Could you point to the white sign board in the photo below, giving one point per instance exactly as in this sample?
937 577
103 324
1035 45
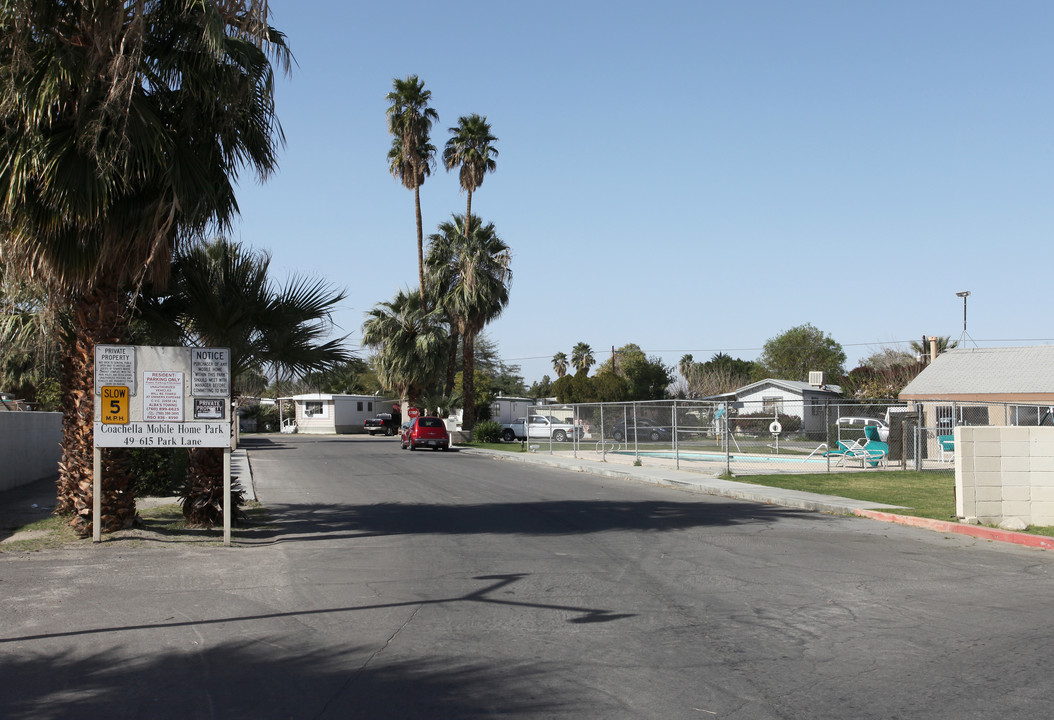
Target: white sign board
114 365
163 396
210 374
164 435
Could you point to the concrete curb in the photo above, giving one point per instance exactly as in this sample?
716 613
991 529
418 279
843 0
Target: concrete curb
977 531
763 494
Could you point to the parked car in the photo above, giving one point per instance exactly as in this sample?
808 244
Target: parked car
859 423
426 432
542 427
644 429
386 423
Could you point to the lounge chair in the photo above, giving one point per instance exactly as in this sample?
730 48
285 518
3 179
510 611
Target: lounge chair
946 445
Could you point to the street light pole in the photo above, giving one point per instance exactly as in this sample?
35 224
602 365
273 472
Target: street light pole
964 294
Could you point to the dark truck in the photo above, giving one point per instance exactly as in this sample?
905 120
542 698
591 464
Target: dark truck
387 423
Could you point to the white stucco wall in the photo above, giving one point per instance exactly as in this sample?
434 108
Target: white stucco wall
1005 472
30 447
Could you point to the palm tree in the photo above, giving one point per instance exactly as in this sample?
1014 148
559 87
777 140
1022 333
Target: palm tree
685 365
582 358
409 341
922 349
560 364
220 295
468 264
471 146
412 156
125 126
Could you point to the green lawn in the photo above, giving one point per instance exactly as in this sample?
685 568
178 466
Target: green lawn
928 494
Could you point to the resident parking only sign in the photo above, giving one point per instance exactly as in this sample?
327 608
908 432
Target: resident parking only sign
162 397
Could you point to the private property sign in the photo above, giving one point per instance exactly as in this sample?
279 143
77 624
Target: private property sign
162 397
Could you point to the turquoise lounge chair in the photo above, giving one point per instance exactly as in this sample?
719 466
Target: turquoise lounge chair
946 444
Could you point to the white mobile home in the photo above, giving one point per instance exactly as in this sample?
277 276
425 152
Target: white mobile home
507 409
321 413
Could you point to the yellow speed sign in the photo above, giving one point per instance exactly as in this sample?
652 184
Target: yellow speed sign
114 405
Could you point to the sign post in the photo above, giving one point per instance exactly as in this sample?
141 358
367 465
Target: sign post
144 400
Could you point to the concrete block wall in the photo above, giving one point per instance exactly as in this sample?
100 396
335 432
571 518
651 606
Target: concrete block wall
1005 472
30 447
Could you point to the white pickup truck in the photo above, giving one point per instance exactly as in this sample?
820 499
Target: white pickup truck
536 427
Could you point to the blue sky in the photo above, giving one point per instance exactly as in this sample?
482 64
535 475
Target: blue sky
692 177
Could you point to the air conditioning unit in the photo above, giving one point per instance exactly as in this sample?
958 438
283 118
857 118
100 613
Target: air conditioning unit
816 378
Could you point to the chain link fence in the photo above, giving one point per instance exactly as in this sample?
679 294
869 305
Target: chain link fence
766 437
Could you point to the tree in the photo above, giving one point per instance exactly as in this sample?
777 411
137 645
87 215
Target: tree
412 155
471 147
686 366
468 266
796 352
409 342
541 389
125 127
220 295
351 377
582 358
560 364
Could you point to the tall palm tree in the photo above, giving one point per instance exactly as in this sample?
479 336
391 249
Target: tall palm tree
471 147
469 265
582 357
560 364
685 365
409 341
220 295
125 127
412 156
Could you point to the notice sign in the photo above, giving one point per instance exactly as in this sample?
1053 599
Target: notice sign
209 408
210 374
114 365
163 396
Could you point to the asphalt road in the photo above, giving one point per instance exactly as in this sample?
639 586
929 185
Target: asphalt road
393 584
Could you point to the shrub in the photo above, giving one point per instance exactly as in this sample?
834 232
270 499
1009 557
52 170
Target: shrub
157 472
487 431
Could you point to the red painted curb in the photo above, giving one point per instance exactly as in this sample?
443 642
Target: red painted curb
978 531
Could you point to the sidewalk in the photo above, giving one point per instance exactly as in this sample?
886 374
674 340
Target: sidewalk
655 474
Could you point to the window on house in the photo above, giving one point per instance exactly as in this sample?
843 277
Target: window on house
312 408
772 404
360 405
369 406
816 405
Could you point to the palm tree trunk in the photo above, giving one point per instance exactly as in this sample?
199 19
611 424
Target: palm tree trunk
420 246
97 318
451 362
468 213
468 362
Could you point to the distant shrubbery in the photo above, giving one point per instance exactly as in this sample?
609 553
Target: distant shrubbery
747 424
487 431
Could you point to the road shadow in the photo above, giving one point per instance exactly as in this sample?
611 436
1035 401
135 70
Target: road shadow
276 677
305 522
